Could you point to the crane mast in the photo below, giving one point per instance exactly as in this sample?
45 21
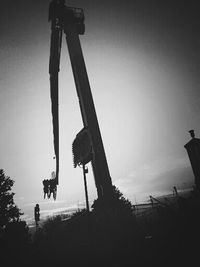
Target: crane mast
71 21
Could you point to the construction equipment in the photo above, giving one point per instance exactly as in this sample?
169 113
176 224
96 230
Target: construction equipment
82 148
70 20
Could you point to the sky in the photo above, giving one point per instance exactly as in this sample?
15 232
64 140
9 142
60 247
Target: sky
142 59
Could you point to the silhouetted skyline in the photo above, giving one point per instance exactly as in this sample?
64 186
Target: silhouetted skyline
142 60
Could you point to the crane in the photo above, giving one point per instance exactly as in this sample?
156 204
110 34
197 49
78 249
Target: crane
70 20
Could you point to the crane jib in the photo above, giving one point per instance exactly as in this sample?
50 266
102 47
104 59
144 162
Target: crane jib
55 118
54 62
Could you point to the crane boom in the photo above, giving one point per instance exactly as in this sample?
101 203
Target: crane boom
99 162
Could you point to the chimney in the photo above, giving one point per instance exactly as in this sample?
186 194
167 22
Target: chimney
192 133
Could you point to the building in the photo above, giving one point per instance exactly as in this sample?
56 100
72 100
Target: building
193 150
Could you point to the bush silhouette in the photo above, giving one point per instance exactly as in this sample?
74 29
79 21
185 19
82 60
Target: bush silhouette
106 234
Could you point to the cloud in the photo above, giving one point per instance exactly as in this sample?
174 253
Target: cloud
59 210
49 209
44 203
157 177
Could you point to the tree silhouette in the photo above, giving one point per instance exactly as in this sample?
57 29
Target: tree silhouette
14 233
9 212
117 202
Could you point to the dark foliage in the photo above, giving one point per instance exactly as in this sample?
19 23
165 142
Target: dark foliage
9 212
117 204
15 240
114 236
103 234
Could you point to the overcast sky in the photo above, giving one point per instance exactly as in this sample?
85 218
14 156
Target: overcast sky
142 59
